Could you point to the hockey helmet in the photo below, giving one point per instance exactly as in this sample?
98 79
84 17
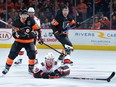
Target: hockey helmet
31 10
49 59
23 11
49 56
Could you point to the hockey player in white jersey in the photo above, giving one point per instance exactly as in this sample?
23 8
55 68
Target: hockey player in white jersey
31 13
51 68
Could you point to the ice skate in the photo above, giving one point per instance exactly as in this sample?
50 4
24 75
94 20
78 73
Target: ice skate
5 71
30 69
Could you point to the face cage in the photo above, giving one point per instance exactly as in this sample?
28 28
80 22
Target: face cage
49 62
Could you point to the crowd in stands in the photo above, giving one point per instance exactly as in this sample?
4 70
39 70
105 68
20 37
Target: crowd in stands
104 11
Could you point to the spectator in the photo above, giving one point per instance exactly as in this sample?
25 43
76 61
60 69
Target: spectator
97 24
105 23
82 9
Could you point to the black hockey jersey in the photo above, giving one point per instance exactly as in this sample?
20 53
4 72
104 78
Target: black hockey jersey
60 22
20 28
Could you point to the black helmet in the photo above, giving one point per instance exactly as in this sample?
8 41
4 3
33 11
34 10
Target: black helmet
23 11
64 7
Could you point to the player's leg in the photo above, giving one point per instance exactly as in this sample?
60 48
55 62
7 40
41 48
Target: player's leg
36 59
64 40
16 47
20 57
30 48
66 70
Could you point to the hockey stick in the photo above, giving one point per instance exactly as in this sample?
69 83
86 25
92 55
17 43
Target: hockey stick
102 79
52 48
86 20
4 22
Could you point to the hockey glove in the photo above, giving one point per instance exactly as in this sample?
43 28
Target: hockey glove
20 35
53 75
30 35
45 76
41 41
41 74
39 34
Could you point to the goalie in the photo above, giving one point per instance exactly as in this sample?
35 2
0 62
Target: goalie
51 69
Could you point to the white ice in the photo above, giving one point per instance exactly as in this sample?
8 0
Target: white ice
87 63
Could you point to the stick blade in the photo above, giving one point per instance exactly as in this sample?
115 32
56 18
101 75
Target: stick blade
111 76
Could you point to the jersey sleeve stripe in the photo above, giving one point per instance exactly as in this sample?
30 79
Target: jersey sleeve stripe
72 22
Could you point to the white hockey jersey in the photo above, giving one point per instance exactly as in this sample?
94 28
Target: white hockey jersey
46 69
37 21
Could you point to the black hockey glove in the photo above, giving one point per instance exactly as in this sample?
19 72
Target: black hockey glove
57 72
46 76
30 35
54 75
39 34
23 32
41 74
41 41
20 35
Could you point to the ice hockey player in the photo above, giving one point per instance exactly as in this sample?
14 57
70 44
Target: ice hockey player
20 56
51 69
60 26
23 33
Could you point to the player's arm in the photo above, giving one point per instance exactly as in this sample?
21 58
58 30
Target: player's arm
60 72
55 23
17 32
39 32
71 24
36 27
40 74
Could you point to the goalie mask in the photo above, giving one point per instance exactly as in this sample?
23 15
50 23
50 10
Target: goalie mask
49 60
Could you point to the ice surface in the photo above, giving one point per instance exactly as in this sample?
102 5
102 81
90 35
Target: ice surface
87 63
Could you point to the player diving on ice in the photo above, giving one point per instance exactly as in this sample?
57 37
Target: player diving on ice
51 68
20 56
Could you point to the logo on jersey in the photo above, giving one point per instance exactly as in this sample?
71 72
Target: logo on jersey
4 35
65 24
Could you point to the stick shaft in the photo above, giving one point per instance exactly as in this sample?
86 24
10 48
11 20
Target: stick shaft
52 48
4 22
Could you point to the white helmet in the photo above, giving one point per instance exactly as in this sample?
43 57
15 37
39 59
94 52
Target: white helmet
49 56
31 9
